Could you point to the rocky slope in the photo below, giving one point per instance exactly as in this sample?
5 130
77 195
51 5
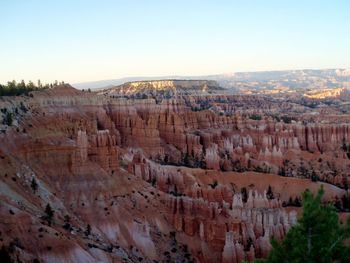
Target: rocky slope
165 88
186 179
326 93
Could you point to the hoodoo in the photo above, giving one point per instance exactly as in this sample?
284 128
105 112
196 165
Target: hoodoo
174 177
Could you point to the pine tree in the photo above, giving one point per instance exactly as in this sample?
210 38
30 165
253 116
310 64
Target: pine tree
34 185
317 237
8 119
282 171
244 194
314 176
49 214
66 219
297 202
67 222
88 230
269 193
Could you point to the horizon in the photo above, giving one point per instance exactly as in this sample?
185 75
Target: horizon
119 39
172 77
168 77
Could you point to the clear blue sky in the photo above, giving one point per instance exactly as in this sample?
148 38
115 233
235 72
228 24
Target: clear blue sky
82 40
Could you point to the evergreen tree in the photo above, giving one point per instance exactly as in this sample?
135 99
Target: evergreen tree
244 194
297 202
214 184
67 222
34 185
282 171
290 201
30 85
269 193
22 85
8 119
66 219
16 89
186 159
314 176
317 237
49 213
88 230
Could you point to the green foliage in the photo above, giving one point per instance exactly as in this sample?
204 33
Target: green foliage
214 184
8 119
88 230
249 244
317 237
175 192
314 176
257 260
269 193
34 185
195 108
66 219
346 148
22 107
244 194
296 202
67 225
345 203
282 171
15 89
49 214
255 117
186 159
154 181
286 119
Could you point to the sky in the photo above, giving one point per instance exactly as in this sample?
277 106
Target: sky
86 40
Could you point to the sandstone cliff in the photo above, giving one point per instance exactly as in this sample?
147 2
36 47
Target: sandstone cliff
142 180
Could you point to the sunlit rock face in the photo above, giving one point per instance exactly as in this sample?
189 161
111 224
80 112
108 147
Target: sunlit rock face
168 88
325 93
165 178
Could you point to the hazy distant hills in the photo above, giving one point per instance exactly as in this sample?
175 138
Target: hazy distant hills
160 89
308 79
102 84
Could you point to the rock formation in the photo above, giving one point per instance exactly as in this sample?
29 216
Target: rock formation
132 179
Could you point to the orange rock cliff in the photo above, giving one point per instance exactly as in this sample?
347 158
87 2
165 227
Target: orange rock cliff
202 178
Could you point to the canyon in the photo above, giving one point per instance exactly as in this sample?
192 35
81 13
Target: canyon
165 171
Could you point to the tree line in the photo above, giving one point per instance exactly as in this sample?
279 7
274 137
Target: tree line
13 88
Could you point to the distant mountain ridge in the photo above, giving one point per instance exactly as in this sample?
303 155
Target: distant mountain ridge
229 80
170 87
